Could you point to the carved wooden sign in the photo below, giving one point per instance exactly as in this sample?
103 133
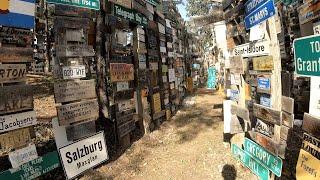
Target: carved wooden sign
16 98
14 139
267 114
74 90
311 125
12 73
263 63
121 72
76 112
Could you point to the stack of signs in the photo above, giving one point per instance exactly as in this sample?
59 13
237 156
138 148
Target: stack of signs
258 12
77 106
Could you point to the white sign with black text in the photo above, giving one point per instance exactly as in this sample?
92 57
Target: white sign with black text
17 121
258 48
73 72
84 154
22 156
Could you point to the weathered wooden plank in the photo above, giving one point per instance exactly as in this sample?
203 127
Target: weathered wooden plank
284 132
287 119
17 121
267 114
126 128
16 98
156 103
72 11
16 54
287 104
311 125
74 51
14 139
12 73
263 63
264 84
226 3
81 130
74 90
139 7
76 112
240 112
121 72
124 3
159 115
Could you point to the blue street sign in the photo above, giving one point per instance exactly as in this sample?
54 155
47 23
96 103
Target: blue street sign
252 5
264 83
260 14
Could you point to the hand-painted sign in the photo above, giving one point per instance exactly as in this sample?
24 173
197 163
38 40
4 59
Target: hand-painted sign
73 72
311 145
307 166
17 13
264 85
17 121
34 168
250 162
22 156
311 124
260 14
121 72
308 11
12 72
306 55
83 155
264 128
14 139
89 4
258 48
130 15
269 160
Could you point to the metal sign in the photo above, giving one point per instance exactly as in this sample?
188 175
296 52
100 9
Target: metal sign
88 4
34 168
17 121
306 55
250 162
17 13
258 48
264 128
269 160
74 72
265 101
252 5
307 166
260 14
84 154
130 15
264 85
22 156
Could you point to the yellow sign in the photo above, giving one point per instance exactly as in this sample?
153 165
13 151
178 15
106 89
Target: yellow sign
4 7
308 166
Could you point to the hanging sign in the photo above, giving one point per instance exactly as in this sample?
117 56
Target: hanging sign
260 14
12 73
88 4
17 121
130 15
307 166
34 168
17 13
121 72
306 55
73 72
272 162
84 154
22 156
258 48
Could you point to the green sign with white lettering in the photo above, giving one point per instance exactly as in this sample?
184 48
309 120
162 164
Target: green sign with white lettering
307 55
89 4
250 162
34 168
130 15
272 162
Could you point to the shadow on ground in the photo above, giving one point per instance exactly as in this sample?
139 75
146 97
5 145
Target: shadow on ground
229 172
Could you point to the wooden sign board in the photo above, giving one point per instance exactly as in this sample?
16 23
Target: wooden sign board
121 72
311 125
264 84
14 139
22 156
236 65
87 110
74 72
74 51
263 63
157 103
267 114
240 112
126 105
16 54
17 121
12 73
74 90
264 141
264 128
307 166
81 130
287 104
311 145
16 98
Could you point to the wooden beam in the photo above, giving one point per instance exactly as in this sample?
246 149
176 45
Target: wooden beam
267 114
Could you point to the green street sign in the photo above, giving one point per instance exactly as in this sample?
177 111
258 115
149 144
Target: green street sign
272 162
307 55
89 4
250 162
34 168
130 15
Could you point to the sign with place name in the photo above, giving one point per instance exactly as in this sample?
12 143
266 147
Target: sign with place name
172 75
124 3
81 130
311 145
307 166
264 128
264 85
156 103
16 98
84 154
74 90
122 86
252 5
130 15
121 72
272 162
307 55
258 48
89 4
12 73
14 139
267 114
260 14
17 121
34 168
17 13
311 124
265 101
24 155
74 72
246 159
263 63
87 110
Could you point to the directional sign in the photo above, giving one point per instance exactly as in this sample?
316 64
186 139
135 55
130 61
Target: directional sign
269 160
250 162
260 14
307 55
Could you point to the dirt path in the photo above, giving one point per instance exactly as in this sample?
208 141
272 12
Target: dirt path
190 146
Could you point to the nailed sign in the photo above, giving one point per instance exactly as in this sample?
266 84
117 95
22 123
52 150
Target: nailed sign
260 14
73 72
14 139
22 156
311 145
258 48
267 114
16 98
307 166
74 90
264 128
17 121
130 15
121 72
87 110
236 65
264 85
83 155
172 75
89 4
74 51
157 103
12 72
124 3
263 63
